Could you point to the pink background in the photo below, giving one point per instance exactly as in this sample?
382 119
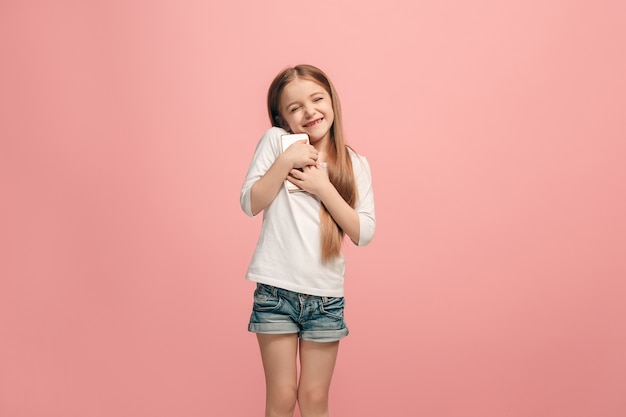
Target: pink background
495 285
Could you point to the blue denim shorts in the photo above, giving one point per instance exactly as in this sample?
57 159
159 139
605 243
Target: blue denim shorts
314 318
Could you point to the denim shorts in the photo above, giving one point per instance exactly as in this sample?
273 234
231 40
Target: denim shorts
314 318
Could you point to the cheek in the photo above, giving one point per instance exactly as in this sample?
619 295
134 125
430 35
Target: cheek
330 114
292 122
329 110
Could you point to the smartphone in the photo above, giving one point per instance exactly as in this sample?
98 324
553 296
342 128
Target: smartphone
291 138
288 140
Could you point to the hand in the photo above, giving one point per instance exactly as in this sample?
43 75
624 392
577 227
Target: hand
301 154
312 178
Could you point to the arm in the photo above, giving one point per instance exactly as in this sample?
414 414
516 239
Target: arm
358 223
365 203
346 217
265 188
269 168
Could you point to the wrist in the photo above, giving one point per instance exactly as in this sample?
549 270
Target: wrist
285 162
327 191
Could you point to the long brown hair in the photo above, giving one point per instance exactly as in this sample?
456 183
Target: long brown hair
339 164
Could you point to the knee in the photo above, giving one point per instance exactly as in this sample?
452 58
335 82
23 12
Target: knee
313 400
281 401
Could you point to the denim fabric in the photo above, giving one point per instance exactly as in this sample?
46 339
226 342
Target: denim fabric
314 318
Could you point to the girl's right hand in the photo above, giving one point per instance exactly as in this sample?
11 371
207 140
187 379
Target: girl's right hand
301 154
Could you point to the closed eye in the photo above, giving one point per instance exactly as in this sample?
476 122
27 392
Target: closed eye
293 109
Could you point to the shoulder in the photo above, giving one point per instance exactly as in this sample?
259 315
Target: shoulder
269 143
273 134
275 131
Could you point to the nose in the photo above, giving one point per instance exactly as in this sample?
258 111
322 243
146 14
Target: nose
309 111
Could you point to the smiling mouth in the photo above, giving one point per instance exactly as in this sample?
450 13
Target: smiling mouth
314 122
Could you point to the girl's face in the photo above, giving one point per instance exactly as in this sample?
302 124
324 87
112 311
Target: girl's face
306 107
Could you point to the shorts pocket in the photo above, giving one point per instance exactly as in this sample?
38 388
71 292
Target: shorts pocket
264 300
333 307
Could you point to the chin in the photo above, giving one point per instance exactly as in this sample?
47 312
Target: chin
318 138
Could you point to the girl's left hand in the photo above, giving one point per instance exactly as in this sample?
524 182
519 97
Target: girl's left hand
312 179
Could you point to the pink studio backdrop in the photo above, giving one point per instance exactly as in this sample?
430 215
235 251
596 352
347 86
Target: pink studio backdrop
495 285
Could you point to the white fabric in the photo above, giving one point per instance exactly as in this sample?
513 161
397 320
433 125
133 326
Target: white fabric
288 252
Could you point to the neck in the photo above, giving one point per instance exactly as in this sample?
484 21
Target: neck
322 145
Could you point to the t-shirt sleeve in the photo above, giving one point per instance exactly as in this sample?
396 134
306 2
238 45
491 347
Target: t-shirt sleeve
267 150
365 202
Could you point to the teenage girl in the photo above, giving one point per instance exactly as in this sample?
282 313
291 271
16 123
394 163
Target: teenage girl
297 263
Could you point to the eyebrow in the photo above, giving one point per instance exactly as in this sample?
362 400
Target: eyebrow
317 92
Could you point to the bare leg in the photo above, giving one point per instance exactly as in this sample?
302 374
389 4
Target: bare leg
278 352
317 362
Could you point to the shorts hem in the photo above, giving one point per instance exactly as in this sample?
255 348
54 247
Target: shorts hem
322 336
272 328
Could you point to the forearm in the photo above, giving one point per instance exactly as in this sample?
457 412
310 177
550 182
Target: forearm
265 189
345 216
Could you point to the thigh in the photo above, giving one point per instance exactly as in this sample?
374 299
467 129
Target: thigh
317 363
278 352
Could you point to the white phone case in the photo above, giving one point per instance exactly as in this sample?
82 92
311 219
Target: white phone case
288 140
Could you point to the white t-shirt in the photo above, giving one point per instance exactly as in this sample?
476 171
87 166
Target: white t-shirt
288 252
